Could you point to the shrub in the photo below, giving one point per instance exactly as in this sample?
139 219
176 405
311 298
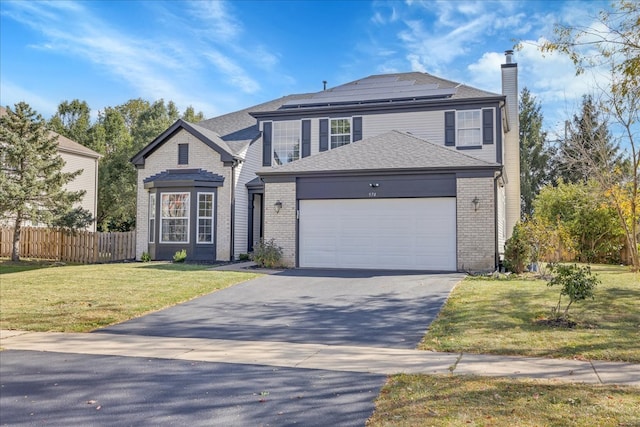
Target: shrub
577 283
517 250
180 256
145 257
244 257
267 254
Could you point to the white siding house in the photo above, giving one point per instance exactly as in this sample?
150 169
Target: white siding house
396 171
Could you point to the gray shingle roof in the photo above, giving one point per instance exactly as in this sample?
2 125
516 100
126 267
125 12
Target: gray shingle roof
392 150
198 175
385 87
239 128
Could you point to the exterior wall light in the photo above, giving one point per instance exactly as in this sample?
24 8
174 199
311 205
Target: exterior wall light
475 202
277 206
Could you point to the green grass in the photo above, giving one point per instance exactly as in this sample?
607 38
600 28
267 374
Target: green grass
439 400
80 298
502 317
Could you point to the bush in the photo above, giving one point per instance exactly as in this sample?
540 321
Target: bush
180 256
517 250
244 257
145 257
577 283
267 254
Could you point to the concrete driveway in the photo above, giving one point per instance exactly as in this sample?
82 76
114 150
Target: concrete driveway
378 309
369 309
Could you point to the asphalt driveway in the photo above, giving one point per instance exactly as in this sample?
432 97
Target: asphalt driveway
378 309
374 309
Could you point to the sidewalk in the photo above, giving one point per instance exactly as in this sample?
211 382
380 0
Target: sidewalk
318 356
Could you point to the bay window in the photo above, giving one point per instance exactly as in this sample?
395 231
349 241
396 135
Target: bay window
174 218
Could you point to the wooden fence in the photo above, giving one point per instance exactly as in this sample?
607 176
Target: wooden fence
85 247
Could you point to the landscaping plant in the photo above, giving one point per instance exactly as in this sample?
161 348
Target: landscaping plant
180 256
517 250
267 254
577 283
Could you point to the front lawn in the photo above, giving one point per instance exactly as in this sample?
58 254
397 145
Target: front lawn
80 298
447 400
493 316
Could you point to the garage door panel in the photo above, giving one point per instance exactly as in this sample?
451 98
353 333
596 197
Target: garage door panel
411 234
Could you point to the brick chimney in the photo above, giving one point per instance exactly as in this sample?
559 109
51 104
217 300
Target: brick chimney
511 142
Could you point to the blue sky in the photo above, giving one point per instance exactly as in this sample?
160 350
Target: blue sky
221 56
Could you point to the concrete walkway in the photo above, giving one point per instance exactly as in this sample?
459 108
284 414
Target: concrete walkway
319 356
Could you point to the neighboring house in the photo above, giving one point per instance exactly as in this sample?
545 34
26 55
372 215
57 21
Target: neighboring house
402 171
79 157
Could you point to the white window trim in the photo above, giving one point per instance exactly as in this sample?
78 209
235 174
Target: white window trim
175 217
152 217
273 140
458 128
350 119
212 218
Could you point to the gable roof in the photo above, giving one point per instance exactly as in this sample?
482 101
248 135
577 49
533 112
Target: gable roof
65 144
207 136
393 150
228 134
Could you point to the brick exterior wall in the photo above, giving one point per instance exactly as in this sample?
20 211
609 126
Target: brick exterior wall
200 156
281 226
476 229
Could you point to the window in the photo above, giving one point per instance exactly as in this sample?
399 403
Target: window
183 154
174 218
152 217
205 217
340 132
469 128
286 142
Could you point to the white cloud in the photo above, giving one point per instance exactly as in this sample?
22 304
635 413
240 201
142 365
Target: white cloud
233 72
485 73
220 23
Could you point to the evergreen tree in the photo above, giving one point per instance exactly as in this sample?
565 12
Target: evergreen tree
31 176
588 147
534 153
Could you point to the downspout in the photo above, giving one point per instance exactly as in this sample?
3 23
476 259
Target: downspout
235 163
495 216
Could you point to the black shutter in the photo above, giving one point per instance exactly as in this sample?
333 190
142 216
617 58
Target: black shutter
487 126
183 154
357 129
324 134
450 128
306 138
266 144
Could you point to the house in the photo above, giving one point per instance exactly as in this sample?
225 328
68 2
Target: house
404 171
78 157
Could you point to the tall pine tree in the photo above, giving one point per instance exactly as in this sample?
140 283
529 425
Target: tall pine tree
31 176
588 147
534 152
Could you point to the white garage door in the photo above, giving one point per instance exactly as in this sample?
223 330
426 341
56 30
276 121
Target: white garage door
397 234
